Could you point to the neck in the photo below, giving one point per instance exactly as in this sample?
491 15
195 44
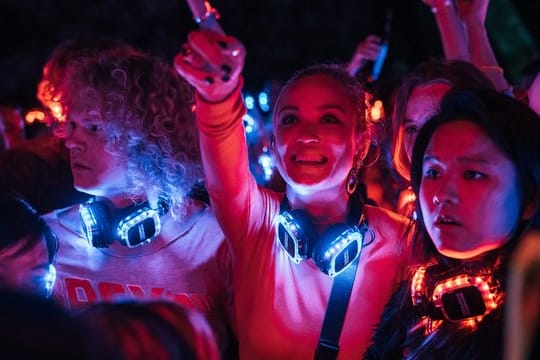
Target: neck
324 207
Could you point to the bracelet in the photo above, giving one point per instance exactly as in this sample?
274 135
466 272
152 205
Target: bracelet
447 3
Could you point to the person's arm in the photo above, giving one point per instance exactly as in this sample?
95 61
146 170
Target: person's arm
451 29
366 50
212 63
473 14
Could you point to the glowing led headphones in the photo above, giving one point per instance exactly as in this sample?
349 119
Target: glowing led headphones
132 226
334 250
461 298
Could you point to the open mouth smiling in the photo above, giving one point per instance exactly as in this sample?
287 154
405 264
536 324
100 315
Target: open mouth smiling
310 159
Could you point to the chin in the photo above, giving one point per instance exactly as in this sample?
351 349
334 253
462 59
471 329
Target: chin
87 189
465 254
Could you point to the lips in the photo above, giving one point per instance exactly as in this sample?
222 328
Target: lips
445 219
79 165
310 159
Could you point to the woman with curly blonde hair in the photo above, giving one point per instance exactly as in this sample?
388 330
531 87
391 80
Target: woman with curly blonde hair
128 122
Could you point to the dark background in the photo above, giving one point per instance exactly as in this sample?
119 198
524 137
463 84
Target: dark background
280 35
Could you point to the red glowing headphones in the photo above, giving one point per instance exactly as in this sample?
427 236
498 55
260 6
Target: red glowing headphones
462 298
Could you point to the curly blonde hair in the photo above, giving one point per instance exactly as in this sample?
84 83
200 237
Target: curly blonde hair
146 112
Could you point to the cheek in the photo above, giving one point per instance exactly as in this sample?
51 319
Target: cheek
425 201
408 146
279 147
501 215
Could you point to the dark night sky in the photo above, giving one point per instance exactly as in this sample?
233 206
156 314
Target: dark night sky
280 35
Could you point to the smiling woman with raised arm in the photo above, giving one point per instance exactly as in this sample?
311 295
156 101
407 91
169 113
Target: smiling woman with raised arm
289 248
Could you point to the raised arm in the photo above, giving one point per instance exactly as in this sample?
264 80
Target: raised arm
451 29
366 50
473 14
213 63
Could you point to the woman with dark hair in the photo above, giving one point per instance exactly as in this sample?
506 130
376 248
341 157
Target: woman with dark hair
27 247
415 101
476 170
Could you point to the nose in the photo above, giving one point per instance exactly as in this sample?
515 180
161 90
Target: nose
446 194
308 135
72 140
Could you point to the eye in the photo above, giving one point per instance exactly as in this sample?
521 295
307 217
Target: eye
411 130
288 119
92 127
473 175
431 173
330 119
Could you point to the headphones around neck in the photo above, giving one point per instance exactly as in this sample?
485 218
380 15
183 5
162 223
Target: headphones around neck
132 226
460 298
332 251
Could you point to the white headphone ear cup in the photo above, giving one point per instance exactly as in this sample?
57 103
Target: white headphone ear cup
50 280
296 226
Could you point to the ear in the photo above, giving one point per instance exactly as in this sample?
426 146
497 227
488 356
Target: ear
363 146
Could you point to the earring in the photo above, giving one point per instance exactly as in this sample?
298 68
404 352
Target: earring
353 177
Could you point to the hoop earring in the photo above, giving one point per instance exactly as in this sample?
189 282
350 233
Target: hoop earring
353 177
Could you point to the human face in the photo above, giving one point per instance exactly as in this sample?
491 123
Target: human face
24 270
534 95
95 170
469 195
315 134
422 104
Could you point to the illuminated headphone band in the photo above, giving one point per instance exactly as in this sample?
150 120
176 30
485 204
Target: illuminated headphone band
132 226
334 250
459 289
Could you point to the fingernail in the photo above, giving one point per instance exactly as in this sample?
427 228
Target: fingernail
226 69
225 78
209 80
222 44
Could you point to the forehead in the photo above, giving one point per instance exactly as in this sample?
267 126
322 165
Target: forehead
83 114
463 138
315 88
424 100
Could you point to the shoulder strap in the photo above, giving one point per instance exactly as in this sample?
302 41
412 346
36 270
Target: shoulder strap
328 347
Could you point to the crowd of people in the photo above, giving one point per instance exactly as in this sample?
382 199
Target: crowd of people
154 239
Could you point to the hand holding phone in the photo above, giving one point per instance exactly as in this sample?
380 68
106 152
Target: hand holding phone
210 60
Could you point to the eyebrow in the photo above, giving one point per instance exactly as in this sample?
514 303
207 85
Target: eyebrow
323 107
408 121
469 159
